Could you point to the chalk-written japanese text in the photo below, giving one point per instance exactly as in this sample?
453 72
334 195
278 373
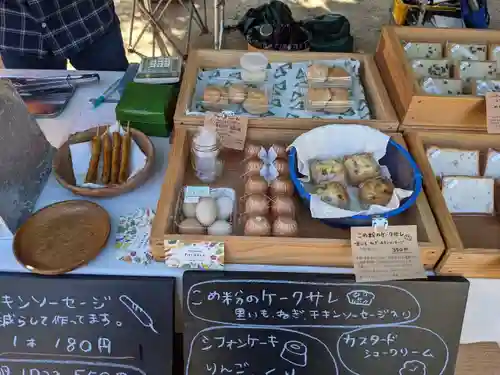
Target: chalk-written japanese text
69 344
277 303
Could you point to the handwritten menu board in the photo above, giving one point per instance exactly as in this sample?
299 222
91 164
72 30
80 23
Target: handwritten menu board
238 323
85 325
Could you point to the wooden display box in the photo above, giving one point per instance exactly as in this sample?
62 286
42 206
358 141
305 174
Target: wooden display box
383 114
415 108
473 241
317 244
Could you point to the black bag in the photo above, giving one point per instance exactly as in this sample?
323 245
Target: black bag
271 26
329 33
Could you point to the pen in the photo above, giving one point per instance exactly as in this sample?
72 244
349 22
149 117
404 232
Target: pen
106 94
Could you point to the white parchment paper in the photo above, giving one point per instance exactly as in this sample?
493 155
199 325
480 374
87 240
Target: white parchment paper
334 141
82 152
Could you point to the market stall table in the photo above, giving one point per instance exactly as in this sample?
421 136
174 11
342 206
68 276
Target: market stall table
481 318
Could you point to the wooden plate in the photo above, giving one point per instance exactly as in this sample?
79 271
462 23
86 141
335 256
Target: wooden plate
62 237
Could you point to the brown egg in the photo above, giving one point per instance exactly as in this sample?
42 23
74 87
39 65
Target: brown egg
252 151
256 204
253 167
285 226
281 167
256 185
280 151
282 186
283 205
257 226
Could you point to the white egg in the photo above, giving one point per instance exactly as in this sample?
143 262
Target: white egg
206 211
189 209
220 228
224 208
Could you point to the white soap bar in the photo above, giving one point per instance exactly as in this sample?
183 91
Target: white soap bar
469 195
466 51
453 162
419 50
492 164
431 68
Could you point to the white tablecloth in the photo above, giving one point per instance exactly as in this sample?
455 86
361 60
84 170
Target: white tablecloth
482 316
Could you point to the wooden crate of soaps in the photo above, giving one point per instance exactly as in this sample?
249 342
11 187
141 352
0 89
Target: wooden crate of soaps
438 80
382 115
315 244
461 174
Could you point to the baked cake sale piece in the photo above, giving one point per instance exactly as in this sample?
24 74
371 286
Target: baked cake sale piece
377 191
469 195
317 73
317 98
327 170
339 101
492 164
453 162
361 167
256 102
333 193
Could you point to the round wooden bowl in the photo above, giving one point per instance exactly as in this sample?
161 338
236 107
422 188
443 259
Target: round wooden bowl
62 166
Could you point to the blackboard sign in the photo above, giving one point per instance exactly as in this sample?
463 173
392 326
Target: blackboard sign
85 325
239 323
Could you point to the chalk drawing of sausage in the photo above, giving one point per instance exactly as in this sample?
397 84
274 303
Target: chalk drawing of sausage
140 314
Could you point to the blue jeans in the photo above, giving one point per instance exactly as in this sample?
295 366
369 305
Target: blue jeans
106 53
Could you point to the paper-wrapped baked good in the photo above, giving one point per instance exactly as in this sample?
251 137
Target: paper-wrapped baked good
361 167
215 97
256 102
339 101
327 170
469 195
317 73
376 190
236 93
333 193
453 162
328 99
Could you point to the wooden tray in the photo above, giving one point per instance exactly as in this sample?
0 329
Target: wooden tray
61 237
318 244
419 110
472 242
380 105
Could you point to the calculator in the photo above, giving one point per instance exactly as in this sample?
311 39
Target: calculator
159 70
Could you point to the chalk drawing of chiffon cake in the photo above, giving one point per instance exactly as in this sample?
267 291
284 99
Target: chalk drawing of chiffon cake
360 297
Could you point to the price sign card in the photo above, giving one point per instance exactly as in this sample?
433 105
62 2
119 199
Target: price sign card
493 112
231 129
386 254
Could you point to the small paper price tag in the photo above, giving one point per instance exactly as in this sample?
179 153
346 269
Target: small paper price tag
231 129
493 112
390 254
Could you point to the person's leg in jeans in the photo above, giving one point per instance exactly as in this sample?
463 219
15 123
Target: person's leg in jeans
106 53
16 61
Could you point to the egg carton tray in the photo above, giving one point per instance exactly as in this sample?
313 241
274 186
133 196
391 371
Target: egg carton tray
214 193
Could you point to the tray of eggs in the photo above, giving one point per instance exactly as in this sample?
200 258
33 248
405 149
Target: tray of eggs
213 215
268 206
236 97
